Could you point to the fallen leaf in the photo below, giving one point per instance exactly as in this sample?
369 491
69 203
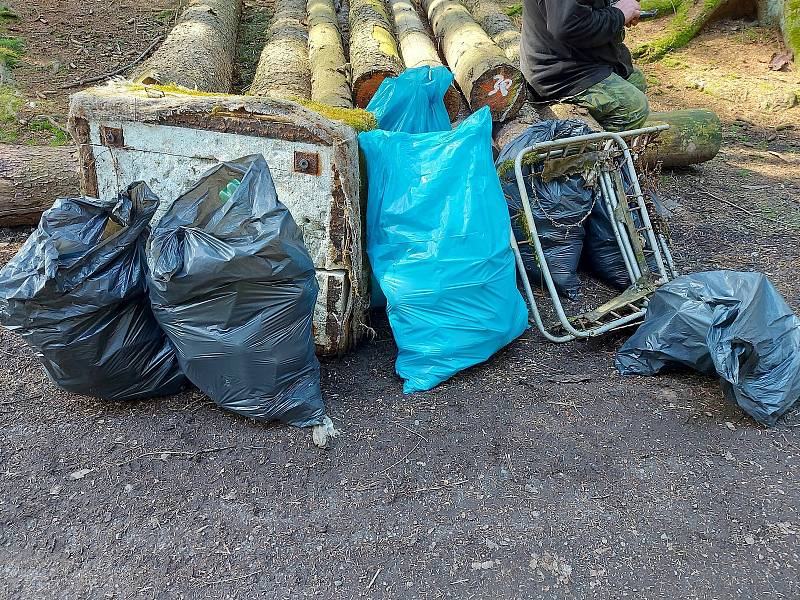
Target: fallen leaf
780 61
80 474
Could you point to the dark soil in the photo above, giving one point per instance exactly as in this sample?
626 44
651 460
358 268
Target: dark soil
541 474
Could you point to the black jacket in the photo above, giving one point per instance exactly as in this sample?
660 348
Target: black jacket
569 45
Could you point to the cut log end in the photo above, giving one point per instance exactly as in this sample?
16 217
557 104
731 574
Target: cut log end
453 103
501 89
367 85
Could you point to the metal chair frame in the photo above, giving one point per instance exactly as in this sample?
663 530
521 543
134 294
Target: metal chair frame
637 241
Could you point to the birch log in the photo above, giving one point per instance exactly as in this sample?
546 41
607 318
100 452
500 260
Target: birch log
374 54
482 70
31 178
417 47
330 80
283 70
489 15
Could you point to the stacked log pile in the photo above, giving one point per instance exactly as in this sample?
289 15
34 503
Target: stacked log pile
336 53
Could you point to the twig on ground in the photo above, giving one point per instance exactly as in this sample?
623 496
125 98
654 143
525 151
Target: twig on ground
230 580
393 465
176 453
374 577
121 69
743 209
419 435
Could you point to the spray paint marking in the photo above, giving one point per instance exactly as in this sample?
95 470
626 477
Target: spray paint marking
501 85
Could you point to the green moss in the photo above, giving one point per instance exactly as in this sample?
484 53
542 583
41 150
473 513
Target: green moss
7 15
687 23
358 119
10 47
791 25
662 6
515 10
10 103
59 136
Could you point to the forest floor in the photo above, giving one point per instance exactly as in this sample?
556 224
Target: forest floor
540 474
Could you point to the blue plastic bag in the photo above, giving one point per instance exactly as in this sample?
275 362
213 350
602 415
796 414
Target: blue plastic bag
438 241
413 102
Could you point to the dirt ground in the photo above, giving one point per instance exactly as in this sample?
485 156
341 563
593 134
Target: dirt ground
541 474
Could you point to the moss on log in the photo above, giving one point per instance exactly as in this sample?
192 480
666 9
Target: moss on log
330 79
31 178
417 47
694 136
374 54
198 52
482 70
490 15
790 24
283 70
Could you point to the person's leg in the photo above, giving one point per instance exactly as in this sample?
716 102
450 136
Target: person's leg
637 78
617 104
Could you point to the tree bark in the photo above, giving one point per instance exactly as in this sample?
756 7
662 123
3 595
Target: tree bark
330 80
374 54
482 70
283 70
417 48
31 178
498 25
198 52
694 136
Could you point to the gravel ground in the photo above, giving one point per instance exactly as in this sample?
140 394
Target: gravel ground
541 474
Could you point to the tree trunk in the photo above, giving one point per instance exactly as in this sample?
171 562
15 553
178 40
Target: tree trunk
31 178
283 70
418 49
694 136
498 25
483 72
198 52
330 81
374 54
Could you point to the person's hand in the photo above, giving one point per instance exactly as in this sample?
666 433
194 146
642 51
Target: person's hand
631 9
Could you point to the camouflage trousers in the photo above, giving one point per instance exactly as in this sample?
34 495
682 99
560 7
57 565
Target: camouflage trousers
616 103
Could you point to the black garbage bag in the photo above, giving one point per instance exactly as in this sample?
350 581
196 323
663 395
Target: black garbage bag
76 292
601 256
733 324
559 208
233 286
